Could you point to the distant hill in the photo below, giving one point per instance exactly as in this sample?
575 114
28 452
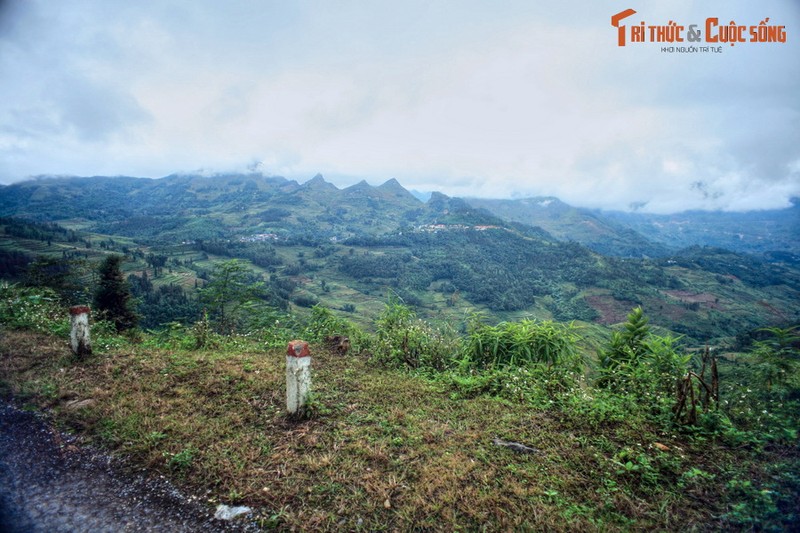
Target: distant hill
775 230
634 234
567 223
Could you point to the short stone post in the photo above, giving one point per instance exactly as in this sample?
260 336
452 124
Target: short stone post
79 336
298 375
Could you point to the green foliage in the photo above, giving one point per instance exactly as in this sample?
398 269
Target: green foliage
14 264
112 298
323 323
405 340
663 363
231 288
752 507
305 300
600 408
535 385
182 460
570 305
637 363
106 337
521 343
313 408
61 275
162 305
760 396
33 308
778 359
202 333
636 466
626 346
636 358
272 326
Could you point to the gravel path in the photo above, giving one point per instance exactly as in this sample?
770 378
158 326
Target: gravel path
49 484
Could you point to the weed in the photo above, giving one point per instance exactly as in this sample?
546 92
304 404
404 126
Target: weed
313 408
203 333
181 460
37 309
323 323
694 476
154 437
234 496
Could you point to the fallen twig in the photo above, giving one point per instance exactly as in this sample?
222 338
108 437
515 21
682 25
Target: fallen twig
515 446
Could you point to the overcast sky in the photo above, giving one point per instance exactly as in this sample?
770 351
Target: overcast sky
472 98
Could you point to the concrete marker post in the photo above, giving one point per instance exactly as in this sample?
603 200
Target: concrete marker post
79 338
298 375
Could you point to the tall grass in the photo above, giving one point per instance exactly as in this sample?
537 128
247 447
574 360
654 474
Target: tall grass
521 343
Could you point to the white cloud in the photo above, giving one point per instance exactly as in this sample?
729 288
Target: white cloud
467 98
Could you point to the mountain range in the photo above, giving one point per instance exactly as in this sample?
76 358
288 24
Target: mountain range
374 209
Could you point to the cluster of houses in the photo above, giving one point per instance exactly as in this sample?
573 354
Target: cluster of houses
260 237
434 228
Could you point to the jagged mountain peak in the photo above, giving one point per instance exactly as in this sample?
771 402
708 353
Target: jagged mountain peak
319 183
392 184
362 187
393 187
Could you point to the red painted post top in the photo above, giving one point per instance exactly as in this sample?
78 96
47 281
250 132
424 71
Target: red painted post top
298 348
79 310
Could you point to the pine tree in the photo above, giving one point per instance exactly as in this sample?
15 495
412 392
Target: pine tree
113 296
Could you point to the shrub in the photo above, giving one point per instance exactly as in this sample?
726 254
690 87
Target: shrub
636 361
324 323
625 348
405 340
536 385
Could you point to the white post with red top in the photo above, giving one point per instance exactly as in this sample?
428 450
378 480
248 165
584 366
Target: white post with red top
79 339
298 375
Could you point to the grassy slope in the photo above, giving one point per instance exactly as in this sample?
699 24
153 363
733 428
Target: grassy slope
384 449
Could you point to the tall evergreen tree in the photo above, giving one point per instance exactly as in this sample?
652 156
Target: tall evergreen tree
113 296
